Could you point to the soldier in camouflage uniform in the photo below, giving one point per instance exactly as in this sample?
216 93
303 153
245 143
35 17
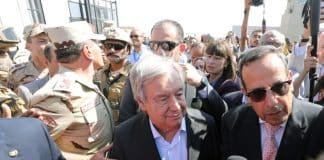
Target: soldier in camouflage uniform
113 75
36 40
10 104
6 42
77 114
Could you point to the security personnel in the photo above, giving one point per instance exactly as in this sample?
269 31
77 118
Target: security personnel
112 76
8 39
36 40
28 139
77 114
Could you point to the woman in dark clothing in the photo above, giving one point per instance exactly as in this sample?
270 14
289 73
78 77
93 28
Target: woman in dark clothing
221 67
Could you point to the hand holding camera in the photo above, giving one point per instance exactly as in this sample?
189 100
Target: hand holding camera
257 2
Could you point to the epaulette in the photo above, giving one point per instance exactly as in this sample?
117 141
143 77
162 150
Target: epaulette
64 84
16 67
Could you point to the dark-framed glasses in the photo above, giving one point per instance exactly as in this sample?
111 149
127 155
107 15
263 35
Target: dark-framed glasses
259 94
165 45
115 46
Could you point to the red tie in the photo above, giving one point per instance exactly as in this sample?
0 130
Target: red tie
270 144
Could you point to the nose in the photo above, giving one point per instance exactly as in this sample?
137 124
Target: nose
271 98
159 51
174 103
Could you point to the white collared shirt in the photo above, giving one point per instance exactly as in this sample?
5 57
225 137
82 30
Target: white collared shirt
177 149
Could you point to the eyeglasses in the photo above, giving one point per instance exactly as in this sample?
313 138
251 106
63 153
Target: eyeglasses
115 46
259 94
165 45
134 36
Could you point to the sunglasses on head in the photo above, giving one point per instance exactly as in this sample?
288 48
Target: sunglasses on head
259 94
165 45
115 46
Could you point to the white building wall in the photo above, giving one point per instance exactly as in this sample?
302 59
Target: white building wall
56 11
14 13
291 21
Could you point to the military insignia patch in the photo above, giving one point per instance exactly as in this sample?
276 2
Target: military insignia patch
64 84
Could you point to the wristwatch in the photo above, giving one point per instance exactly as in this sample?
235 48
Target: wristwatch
203 83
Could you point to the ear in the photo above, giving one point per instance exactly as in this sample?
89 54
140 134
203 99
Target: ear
182 47
27 46
87 52
141 104
243 91
290 74
47 62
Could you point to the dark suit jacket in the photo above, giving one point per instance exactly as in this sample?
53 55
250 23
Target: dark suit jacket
314 138
241 131
30 139
134 139
233 99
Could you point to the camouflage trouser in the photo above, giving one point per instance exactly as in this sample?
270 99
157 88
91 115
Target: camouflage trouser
9 98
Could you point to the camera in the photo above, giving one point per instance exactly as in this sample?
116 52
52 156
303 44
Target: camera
257 2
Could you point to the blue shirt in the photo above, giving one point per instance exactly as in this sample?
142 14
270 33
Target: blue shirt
177 149
134 56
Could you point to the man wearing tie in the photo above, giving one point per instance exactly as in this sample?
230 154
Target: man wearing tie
273 125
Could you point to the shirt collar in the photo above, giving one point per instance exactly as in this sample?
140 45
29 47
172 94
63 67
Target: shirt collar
156 133
262 122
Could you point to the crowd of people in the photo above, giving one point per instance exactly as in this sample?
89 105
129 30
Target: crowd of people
80 95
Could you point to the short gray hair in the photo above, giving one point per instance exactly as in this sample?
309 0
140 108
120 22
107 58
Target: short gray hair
72 53
273 37
150 67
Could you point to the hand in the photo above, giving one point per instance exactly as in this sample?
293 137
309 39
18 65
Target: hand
37 113
247 4
33 112
6 111
100 155
192 76
310 61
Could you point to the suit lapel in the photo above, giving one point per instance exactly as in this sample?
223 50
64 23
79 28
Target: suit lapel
147 142
196 132
250 134
292 136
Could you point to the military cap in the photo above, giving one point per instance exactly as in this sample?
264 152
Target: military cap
33 30
115 33
72 33
8 37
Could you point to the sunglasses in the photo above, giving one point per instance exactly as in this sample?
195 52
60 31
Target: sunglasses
115 46
165 45
259 94
134 36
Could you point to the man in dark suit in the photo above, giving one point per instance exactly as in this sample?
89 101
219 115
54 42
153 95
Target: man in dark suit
26 138
166 40
274 124
166 129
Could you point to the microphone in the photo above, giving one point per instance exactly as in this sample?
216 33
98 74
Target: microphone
236 157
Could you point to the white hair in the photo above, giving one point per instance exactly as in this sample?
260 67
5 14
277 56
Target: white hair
273 37
150 67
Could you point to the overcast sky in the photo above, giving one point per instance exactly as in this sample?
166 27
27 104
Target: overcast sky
197 16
